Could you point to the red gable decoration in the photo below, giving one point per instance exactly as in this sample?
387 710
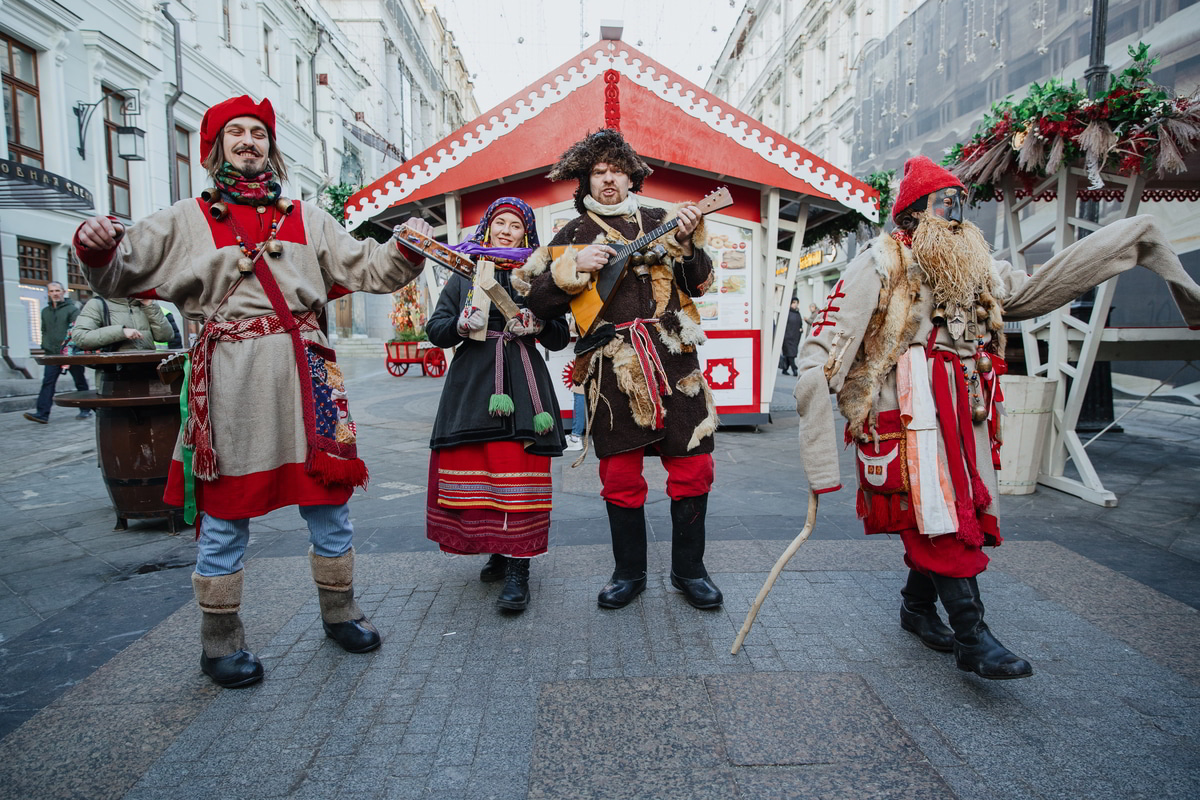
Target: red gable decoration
662 115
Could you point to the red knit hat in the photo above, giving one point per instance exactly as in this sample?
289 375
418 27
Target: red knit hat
219 115
921 177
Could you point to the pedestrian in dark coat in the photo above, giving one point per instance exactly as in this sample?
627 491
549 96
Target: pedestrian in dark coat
57 316
791 339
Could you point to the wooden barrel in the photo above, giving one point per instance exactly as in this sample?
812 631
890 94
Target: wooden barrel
137 422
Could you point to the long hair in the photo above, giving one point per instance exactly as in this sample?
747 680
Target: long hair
216 158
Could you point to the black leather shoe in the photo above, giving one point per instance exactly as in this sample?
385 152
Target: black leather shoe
233 671
494 569
987 658
515 595
700 593
620 593
929 628
355 636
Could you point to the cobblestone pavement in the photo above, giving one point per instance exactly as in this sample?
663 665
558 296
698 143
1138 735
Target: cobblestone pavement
101 695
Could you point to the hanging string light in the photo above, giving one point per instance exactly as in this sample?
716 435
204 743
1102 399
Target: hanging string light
970 29
941 67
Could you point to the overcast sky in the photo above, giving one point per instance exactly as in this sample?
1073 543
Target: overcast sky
677 33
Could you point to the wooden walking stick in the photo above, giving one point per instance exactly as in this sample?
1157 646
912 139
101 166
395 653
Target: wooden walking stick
778 568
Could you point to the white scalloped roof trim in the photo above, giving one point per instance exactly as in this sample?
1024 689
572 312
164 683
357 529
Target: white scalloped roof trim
798 164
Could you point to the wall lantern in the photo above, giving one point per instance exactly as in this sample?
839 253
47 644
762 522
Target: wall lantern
131 141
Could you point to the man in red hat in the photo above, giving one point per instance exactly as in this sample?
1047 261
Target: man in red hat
267 421
911 341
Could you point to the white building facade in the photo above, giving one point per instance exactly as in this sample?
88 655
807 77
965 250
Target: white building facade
113 64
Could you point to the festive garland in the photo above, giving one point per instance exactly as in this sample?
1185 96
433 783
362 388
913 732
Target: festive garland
1136 127
837 228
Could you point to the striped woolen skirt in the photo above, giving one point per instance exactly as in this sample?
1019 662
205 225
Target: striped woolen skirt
488 497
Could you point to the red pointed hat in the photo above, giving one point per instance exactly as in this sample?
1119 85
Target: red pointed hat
216 118
921 177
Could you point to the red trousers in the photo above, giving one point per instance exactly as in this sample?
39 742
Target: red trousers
624 486
942 555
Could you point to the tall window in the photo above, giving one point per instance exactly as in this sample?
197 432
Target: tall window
226 21
299 80
183 161
76 281
118 168
22 106
33 262
268 42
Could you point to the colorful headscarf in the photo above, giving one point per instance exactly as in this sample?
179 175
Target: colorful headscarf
505 257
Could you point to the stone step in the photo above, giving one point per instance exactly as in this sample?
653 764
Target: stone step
359 348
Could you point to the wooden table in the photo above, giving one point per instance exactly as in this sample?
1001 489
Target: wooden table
137 423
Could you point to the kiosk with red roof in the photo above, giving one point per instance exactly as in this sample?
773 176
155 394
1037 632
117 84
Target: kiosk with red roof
695 142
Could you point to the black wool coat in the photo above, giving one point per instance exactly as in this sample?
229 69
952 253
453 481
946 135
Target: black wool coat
462 415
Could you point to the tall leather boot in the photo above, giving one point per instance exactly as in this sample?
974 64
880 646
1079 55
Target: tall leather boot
918 613
688 574
628 528
515 595
224 658
343 620
975 648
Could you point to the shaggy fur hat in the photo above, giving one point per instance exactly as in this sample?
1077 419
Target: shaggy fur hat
605 145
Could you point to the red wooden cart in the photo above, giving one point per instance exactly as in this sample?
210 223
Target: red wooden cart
401 354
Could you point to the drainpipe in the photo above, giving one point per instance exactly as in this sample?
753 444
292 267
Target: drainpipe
172 152
312 82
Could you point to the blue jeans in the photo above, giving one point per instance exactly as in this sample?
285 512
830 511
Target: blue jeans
579 417
222 542
45 399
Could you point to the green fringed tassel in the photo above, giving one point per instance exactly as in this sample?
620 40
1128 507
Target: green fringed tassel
543 422
500 405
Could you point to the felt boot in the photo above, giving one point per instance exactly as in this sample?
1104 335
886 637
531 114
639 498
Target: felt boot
343 620
688 574
628 528
494 569
918 613
224 657
975 648
515 595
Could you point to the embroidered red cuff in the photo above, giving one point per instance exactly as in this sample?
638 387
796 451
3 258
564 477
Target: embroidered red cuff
93 259
827 491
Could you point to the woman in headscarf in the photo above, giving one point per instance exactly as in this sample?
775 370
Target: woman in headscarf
497 424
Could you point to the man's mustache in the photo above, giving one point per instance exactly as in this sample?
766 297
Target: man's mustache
248 149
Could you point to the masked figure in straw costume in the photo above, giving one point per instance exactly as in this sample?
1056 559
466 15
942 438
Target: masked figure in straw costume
267 421
497 427
911 341
639 368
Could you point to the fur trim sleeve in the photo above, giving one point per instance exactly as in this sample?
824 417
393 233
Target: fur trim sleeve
566 277
536 264
699 236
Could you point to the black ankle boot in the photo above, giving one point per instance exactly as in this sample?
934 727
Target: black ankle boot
975 648
494 569
515 595
918 613
222 633
628 528
688 574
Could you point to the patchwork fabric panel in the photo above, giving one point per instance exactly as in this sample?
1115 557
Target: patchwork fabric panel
333 419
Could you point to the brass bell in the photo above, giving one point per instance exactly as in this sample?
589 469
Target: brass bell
939 315
245 266
983 363
273 248
218 210
637 259
981 313
656 255
285 206
979 412
210 195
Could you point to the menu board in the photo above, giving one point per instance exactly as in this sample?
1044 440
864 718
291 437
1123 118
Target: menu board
729 302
